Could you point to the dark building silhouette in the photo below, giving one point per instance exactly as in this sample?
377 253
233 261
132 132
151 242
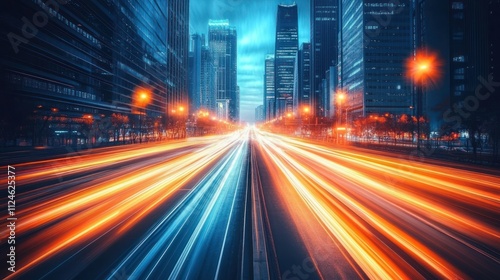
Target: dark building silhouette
474 74
494 39
66 68
470 52
286 47
432 22
324 47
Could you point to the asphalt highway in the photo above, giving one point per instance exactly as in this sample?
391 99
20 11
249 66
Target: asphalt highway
251 205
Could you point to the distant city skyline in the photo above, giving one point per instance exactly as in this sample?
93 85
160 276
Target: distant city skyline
255 24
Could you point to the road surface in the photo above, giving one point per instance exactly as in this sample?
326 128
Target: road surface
252 205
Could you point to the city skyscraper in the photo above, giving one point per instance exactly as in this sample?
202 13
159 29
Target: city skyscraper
202 76
470 52
259 113
432 21
207 80
324 42
177 52
222 44
87 62
329 88
474 68
376 41
493 28
302 90
269 90
286 46
195 97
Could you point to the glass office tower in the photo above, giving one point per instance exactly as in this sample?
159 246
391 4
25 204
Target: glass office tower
286 47
269 91
222 41
376 40
324 41
67 67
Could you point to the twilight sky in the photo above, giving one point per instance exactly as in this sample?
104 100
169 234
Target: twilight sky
255 22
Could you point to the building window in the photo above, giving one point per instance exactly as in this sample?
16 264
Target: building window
458 35
458 15
457 6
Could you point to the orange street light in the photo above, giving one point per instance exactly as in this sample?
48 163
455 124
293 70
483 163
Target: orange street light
341 96
307 111
423 68
142 96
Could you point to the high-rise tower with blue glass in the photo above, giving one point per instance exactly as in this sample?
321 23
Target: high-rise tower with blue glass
286 47
376 39
222 41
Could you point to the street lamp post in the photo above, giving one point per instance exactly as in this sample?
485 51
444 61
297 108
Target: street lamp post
340 99
307 116
419 112
422 69
177 118
141 100
182 123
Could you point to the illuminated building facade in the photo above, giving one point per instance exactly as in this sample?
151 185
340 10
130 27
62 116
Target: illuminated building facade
286 48
324 49
373 75
222 42
66 68
269 94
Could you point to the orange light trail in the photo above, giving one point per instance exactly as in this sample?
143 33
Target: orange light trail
357 213
375 207
75 217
